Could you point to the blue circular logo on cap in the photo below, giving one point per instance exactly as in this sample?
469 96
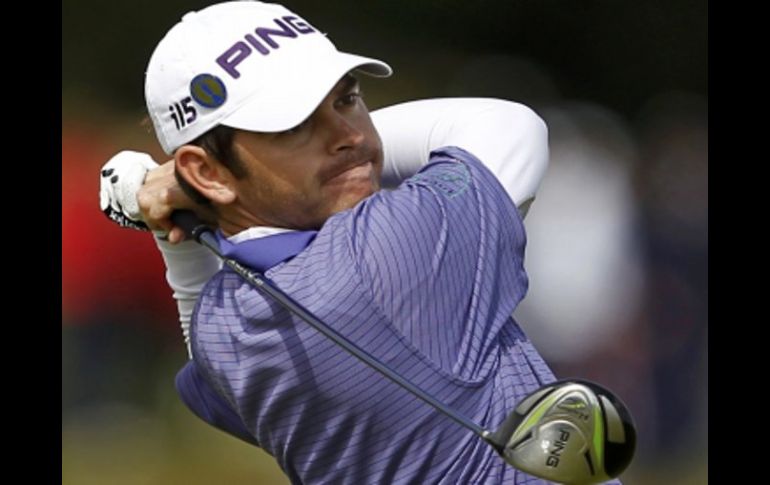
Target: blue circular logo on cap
208 90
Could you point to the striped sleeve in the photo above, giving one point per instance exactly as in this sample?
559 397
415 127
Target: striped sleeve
443 258
205 403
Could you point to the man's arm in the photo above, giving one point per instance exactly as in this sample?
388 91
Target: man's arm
509 138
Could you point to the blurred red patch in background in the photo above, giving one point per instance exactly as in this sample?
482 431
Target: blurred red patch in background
105 268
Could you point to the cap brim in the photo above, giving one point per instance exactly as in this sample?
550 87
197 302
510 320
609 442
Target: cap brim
298 97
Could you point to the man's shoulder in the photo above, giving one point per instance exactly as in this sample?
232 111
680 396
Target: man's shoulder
220 294
449 171
453 157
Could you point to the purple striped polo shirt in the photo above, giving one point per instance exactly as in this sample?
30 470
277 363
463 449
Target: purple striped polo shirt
424 277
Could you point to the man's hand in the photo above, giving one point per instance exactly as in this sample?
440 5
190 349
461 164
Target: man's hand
138 193
121 178
160 196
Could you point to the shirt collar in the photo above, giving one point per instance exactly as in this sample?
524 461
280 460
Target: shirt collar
261 248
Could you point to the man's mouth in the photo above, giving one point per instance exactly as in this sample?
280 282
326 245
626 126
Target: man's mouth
356 173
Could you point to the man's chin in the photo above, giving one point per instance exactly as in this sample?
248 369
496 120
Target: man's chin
351 197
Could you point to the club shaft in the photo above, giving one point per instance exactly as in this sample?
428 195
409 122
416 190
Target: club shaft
206 238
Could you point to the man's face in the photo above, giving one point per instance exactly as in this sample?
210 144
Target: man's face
300 177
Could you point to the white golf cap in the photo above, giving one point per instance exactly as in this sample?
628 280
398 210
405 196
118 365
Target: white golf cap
245 64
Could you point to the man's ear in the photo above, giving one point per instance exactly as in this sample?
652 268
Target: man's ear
204 174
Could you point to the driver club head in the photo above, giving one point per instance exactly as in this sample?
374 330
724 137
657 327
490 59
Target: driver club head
570 431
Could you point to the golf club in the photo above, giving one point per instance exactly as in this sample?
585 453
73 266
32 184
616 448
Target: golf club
569 431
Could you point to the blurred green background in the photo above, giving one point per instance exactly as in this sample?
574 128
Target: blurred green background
617 252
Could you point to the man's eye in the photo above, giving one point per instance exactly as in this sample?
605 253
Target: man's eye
351 98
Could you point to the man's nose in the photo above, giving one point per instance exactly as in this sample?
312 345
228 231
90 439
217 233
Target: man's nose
343 134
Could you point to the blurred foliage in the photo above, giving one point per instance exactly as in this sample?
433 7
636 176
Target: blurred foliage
158 442
616 53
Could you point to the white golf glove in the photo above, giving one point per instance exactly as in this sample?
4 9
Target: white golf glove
121 178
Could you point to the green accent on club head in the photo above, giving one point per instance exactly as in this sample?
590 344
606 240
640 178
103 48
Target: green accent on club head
535 416
599 437
573 405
